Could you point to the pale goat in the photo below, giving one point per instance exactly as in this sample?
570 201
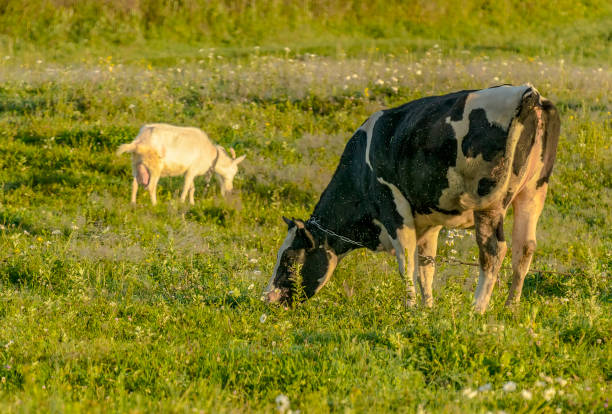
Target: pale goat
162 150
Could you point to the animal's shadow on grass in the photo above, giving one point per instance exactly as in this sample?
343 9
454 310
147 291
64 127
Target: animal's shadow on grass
326 338
107 139
227 300
47 182
214 214
543 284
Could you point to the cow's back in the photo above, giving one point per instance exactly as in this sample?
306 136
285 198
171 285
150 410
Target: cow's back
450 153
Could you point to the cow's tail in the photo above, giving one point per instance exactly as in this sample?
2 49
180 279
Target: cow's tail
503 171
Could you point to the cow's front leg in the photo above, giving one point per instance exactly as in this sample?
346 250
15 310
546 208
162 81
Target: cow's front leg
427 245
405 252
492 246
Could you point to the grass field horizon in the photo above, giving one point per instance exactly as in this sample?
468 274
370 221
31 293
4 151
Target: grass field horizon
106 306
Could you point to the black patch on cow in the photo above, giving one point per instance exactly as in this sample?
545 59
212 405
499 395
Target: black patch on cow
453 212
552 127
315 266
414 147
485 185
456 113
508 198
483 137
499 231
525 142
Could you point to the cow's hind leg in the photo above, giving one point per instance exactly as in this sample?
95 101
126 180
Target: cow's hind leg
492 246
405 252
527 207
427 246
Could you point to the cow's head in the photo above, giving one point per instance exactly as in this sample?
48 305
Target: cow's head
300 259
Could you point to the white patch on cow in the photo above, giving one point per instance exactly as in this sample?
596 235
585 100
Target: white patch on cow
333 261
500 105
368 127
401 204
384 237
286 244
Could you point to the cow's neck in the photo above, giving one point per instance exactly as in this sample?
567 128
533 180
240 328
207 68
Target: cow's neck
341 215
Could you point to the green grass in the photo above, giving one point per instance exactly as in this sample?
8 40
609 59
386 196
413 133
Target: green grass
109 307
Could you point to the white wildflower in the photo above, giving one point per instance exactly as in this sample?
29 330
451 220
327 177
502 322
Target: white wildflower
539 383
485 387
546 378
380 82
509 386
469 393
549 393
526 394
251 286
418 72
253 260
56 232
282 403
263 318
561 381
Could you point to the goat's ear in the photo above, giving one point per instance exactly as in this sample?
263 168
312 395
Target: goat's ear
239 159
233 153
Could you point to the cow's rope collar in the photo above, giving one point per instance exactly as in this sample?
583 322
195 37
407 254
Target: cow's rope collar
318 225
425 260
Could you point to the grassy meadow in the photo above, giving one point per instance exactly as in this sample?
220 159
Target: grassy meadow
108 307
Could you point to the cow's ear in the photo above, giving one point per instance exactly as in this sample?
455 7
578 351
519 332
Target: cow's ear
290 223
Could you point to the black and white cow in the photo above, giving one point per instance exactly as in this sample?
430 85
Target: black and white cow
456 160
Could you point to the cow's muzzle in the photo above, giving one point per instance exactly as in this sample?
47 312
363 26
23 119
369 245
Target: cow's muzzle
276 295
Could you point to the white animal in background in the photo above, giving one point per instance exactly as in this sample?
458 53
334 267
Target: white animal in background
162 150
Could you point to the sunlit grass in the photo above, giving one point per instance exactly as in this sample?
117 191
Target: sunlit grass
106 306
